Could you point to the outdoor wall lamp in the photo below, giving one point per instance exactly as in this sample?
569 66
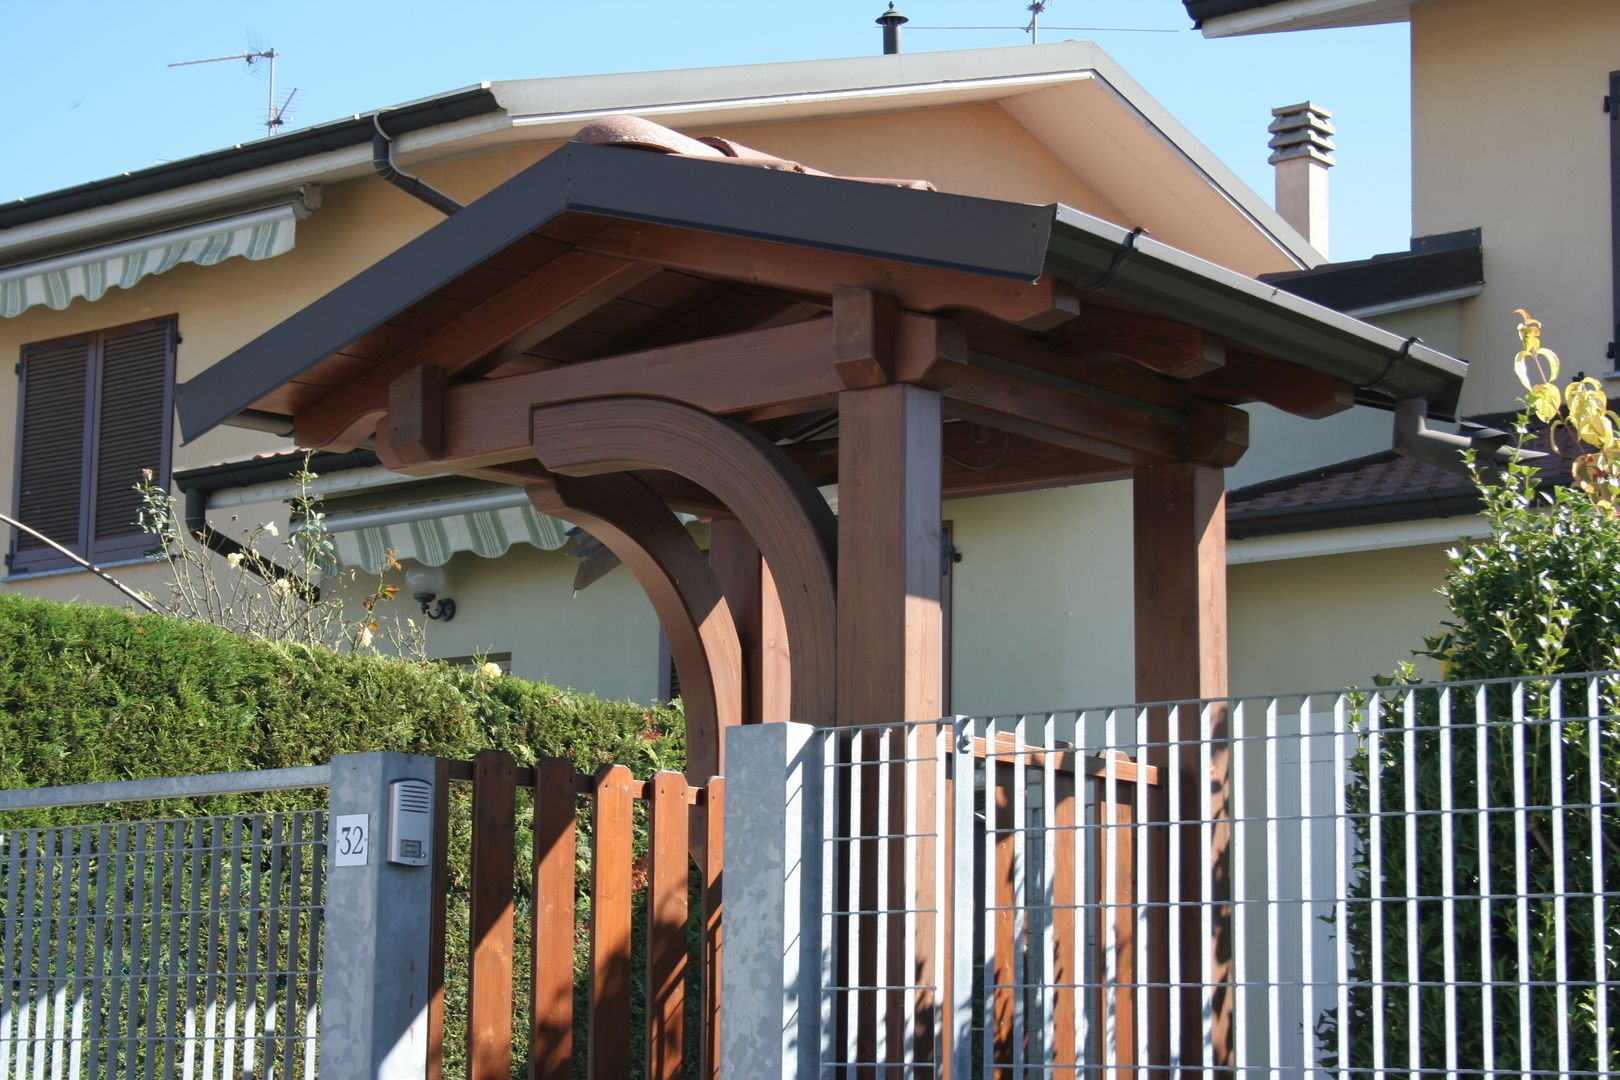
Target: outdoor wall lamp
424 584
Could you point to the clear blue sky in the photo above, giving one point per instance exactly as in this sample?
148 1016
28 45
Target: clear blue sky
85 91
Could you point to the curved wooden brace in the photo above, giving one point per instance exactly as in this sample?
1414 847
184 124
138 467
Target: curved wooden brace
623 513
788 519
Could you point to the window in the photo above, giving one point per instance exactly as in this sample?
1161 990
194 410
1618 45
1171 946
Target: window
93 411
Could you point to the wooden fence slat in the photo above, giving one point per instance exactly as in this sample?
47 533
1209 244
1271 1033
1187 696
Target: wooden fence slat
608 1056
667 905
436 918
489 989
551 1030
714 818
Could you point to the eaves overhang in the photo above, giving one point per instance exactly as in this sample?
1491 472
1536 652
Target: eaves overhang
979 237
1098 256
248 157
1231 18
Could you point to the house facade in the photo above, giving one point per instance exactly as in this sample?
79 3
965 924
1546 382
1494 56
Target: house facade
1039 605
1514 188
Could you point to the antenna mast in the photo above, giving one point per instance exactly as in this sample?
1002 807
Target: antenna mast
258 50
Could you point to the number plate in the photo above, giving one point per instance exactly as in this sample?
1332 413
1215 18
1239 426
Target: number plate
350 839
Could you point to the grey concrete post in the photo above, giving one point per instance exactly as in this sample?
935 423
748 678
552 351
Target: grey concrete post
770 1023
374 989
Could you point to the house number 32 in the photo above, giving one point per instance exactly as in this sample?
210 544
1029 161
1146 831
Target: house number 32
350 839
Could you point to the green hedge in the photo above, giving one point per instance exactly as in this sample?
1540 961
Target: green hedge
92 693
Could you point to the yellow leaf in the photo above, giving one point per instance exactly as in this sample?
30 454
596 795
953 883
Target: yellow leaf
1544 401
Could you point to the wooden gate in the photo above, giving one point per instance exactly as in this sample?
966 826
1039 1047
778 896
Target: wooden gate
633 852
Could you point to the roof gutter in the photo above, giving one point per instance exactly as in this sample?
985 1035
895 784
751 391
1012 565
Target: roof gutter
239 174
197 487
1384 367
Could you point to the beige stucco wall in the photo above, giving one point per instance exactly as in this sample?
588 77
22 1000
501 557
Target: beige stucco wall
1332 621
1043 600
1509 134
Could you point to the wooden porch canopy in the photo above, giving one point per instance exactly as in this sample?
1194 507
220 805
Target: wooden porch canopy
622 331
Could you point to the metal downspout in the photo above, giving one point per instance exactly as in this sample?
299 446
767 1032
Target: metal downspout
382 159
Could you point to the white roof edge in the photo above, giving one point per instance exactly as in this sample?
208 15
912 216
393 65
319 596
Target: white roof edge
1307 15
1248 201
754 91
888 82
703 89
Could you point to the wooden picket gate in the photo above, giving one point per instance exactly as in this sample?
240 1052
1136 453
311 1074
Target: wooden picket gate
684 827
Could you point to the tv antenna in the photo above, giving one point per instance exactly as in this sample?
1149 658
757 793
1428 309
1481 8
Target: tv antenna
260 58
1036 7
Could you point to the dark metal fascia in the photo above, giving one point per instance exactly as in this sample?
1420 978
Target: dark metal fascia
1263 317
217 164
1199 10
976 236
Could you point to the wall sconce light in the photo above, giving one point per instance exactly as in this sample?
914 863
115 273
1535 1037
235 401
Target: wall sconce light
424 583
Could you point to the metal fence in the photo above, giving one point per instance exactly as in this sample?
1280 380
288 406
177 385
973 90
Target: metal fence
178 947
1399 881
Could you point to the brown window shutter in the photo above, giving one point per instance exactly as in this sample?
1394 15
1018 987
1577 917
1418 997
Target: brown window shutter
132 433
51 448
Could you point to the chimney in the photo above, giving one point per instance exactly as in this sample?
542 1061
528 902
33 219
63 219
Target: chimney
1302 154
891 21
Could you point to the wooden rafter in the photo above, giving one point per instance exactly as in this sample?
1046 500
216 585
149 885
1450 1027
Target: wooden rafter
1289 387
541 302
1041 305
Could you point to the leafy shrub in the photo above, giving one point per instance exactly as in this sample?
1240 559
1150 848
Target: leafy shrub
1537 597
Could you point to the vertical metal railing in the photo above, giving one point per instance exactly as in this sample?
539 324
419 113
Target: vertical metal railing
1401 881
171 947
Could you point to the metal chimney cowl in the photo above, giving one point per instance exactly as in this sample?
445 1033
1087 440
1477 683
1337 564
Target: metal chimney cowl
1302 153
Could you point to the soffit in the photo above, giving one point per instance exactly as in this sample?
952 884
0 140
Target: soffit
1154 182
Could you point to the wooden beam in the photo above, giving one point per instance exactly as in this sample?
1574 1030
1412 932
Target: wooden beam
416 414
1160 345
863 336
1108 381
1181 654
1216 434
544 301
781 510
1045 409
983 461
488 420
636 526
1042 305
1289 387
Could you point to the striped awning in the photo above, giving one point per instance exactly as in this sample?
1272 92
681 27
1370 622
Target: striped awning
431 533
57 282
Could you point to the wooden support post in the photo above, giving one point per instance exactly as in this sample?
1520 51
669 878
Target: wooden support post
889 550
1180 556
890 660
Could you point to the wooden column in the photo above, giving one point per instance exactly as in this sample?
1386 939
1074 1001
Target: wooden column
1180 560
890 636
750 592
890 665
